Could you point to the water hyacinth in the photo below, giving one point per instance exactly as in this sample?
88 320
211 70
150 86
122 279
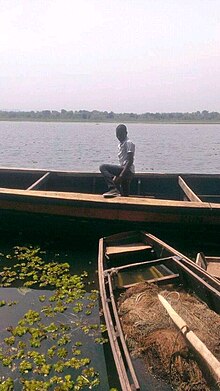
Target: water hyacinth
41 353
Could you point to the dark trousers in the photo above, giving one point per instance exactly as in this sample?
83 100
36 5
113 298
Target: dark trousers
109 171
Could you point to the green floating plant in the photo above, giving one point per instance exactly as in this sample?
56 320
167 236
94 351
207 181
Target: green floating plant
63 340
32 317
48 311
51 351
31 270
20 354
21 345
6 384
7 361
44 369
51 328
42 298
25 366
62 353
60 307
76 352
89 378
11 303
37 333
101 341
35 385
38 358
93 295
78 307
18 330
10 340
78 343
35 342
103 328
59 366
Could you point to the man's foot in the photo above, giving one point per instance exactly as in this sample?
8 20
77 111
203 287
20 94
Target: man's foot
112 193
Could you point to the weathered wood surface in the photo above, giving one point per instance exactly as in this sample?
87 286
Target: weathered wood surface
195 342
188 191
179 270
110 250
39 182
94 206
210 264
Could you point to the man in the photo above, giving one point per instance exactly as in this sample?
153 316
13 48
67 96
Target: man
118 177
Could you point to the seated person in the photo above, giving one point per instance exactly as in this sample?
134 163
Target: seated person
118 177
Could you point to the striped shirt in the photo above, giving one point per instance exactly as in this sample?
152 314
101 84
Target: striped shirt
123 149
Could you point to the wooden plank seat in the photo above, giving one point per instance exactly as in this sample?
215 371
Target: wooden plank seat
126 248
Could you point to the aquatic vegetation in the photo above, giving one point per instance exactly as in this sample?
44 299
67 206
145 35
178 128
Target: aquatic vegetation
51 328
76 352
51 351
62 352
35 347
10 303
59 366
31 317
44 369
18 330
103 328
25 366
42 298
10 340
64 340
101 341
7 361
6 385
78 343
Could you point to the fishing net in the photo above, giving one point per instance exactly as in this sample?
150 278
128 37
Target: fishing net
151 334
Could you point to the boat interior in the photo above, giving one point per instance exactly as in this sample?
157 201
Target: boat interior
125 260
209 263
191 187
138 256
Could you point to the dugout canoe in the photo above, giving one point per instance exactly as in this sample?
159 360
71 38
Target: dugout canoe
125 260
186 199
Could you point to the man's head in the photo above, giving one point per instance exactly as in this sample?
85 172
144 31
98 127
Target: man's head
121 132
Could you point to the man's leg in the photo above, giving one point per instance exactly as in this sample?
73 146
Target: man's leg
109 171
125 185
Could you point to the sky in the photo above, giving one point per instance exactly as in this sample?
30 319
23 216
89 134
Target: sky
115 55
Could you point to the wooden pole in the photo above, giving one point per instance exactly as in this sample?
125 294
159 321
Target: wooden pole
194 341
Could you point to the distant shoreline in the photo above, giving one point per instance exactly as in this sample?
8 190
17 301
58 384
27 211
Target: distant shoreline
95 116
181 122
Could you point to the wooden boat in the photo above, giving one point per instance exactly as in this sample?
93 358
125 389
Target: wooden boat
210 264
173 199
124 261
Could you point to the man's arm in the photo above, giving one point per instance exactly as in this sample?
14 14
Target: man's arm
129 162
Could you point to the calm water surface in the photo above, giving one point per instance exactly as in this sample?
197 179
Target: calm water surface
84 146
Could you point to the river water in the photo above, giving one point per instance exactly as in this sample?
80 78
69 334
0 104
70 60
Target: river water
83 147
162 148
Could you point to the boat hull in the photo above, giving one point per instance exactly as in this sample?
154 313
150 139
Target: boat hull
131 254
157 198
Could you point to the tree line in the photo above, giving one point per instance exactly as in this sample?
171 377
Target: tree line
95 115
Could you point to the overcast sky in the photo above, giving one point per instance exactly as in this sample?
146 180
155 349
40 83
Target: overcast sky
115 55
